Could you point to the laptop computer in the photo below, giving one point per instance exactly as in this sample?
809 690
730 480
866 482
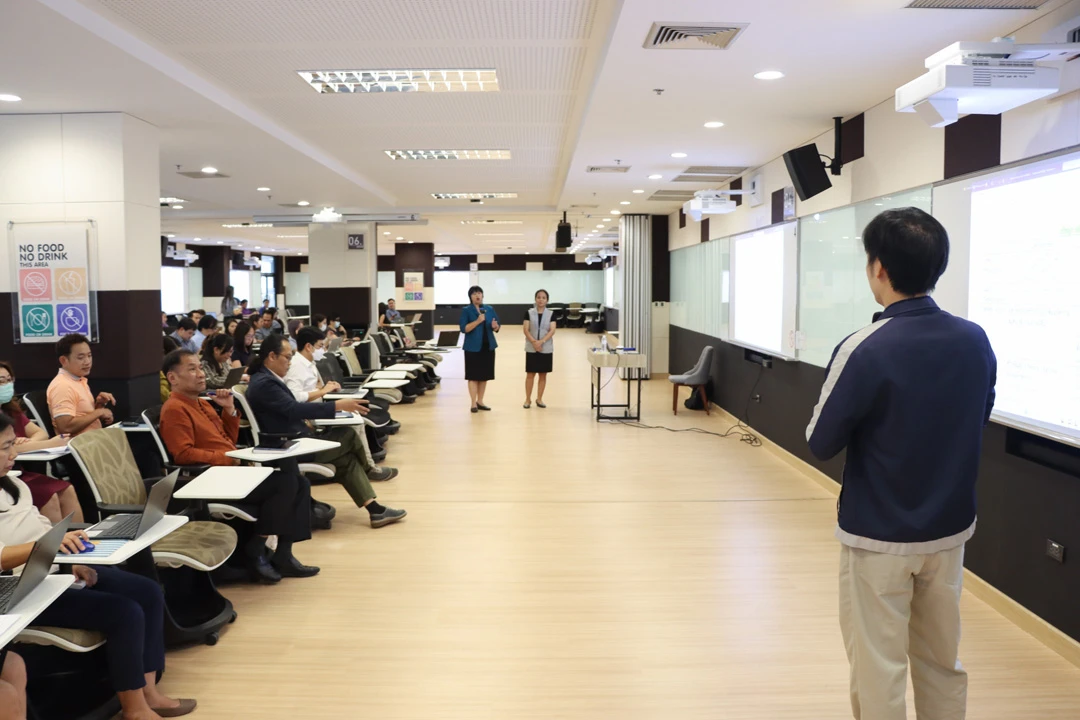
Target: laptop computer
416 317
449 338
334 345
235 376
14 589
130 526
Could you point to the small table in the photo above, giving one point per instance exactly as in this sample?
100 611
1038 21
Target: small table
33 605
404 367
127 548
385 384
635 363
303 446
388 375
46 455
141 427
359 395
224 483
353 419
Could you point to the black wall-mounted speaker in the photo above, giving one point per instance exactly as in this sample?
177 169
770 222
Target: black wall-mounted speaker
564 237
807 171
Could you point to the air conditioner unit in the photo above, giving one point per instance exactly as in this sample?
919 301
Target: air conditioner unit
711 202
983 78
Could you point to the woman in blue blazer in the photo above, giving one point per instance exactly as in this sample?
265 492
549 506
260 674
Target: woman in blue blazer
479 323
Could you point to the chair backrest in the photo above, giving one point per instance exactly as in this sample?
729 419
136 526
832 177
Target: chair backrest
37 403
704 361
382 342
410 336
152 417
106 460
244 408
330 369
352 362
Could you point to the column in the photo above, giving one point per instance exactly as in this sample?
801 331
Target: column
414 263
100 167
343 272
635 258
216 262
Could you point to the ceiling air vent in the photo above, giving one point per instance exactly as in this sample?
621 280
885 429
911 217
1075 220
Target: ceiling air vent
608 169
584 207
708 174
672 195
692 36
978 4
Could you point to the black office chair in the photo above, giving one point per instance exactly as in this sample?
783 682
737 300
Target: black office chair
37 402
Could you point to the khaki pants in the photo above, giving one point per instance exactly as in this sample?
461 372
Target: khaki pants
896 607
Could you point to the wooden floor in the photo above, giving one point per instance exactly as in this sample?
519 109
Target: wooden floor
551 567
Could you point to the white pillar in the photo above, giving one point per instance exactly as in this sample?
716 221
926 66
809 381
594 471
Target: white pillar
343 280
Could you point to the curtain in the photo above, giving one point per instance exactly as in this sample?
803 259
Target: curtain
635 259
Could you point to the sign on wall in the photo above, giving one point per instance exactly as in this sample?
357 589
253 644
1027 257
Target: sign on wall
414 286
53 280
355 241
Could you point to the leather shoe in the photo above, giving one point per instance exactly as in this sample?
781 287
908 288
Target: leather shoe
262 571
324 509
293 568
378 456
184 708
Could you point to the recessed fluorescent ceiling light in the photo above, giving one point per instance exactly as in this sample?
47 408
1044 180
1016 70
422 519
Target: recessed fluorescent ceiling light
625 202
177 207
262 189
399 238
655 177
638 192
386 233
712 124
196 239
303 203
170 200
678 154
492 222
448 154
601 227
6 97
616 212
769 75
220 242
474 196
247 225
210 170
382 81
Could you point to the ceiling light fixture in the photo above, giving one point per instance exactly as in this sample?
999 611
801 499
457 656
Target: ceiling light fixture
7 97
448 154
600 227
170 200
258 247
411 242
678 155
247 225
625 202
303 203
399 238
713 124
220 242
170 235
403 81
638 192
262 189
210 170
474 196
387 232
655 177
177 207
769 75
616 212
196 239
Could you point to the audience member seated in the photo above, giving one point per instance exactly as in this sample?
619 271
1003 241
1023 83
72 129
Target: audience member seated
163 382
230 325
390 315
164 321
266 326
244 309
243 339
73 407
279 413
208 325
12 686
265 305
306 384
197 315
216 359
185 331
194 434
294 327
54 498
336 330
128 609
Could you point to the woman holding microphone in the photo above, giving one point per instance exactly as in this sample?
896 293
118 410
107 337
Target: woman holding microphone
539 329
479 323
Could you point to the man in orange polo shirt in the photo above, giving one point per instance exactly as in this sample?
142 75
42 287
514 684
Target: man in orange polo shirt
194 433
73 407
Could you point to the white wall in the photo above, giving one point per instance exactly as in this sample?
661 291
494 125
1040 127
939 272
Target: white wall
298 287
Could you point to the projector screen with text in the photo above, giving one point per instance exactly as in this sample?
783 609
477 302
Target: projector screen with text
764 289
1017 232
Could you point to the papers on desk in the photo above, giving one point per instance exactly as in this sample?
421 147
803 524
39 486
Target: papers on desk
43 454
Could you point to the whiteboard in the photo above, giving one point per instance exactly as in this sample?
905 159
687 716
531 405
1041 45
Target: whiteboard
452 287
384 286
764 289
173 290
834 296
518 287
297 289
700 288
1016 235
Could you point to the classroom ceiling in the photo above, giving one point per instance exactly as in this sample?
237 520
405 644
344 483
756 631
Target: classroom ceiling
575 89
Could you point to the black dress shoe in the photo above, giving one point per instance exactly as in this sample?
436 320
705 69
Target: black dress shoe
262 571
378 457
324 509
293 568
319 522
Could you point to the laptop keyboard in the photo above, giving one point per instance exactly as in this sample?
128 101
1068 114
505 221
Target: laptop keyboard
7 589
121 527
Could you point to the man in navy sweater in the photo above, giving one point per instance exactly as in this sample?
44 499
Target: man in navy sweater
908 397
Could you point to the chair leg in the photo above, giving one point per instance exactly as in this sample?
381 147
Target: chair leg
674 399
704 398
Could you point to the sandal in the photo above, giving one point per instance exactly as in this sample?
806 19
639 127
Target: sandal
527 405
540 404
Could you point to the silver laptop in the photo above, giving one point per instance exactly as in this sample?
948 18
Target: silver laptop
14 589
334 344
131 526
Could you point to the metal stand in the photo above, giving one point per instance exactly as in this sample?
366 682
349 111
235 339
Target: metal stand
634 375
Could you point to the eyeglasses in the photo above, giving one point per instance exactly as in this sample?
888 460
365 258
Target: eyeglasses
5 380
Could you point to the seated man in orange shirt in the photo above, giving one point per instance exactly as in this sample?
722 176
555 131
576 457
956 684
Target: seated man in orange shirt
73 407
194 433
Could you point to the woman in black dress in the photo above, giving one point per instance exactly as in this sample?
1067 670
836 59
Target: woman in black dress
479 323
539 327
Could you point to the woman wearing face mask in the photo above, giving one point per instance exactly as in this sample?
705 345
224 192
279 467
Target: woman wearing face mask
54 498
539 329
318 320
479 323
216 356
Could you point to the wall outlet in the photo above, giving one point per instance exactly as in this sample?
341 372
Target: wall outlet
1055 550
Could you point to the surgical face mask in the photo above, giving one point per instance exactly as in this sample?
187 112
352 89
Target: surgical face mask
337 324
7 391
322 327
318 354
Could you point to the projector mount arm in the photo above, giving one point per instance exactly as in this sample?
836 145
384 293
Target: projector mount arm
835 164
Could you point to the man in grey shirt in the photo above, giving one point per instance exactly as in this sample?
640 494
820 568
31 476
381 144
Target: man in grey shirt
265 327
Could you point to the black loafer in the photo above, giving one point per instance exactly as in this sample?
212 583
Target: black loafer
262 571
475 410
482 407
293 568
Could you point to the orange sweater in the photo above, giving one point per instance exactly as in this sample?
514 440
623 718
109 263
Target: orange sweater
194 433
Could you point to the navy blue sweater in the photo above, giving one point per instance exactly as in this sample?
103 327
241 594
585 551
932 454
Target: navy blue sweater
908 397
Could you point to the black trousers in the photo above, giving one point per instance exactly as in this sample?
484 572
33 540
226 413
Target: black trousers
129 610
284 500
